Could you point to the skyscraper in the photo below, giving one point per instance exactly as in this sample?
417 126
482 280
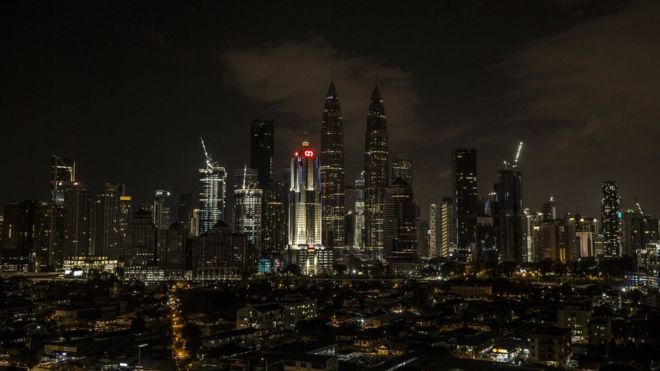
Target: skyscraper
447 226
185 209
509 215
305 244
434 231
76 221
247 206
142 247
611 219
212 180
332 171
161 210
304 199
402 168
62 175
261 150
124 225
549 209
400 225
464 182
106 217
375 171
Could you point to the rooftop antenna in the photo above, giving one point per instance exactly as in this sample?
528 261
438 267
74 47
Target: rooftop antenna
209 161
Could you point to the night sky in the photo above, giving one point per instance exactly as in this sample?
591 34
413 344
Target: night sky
127 88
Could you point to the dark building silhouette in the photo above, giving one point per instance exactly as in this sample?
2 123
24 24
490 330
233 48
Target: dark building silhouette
332 172
77 206
611 219
464 184
62 175
142 247
105 221
400 227
261 150
375 171
509 215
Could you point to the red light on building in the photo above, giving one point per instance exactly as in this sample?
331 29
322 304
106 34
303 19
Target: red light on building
309 153
295 154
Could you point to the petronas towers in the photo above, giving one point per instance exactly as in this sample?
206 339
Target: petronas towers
332 172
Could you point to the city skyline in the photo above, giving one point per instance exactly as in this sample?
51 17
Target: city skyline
453 105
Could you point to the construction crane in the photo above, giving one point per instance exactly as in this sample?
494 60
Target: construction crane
516 158
209 160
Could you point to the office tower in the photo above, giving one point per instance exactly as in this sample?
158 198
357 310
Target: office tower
76 221
212 180
142 247
632 232
105 224
19 235
422 237
447 221
355 201
400 226
161 210
261 150
62 175
402 168
332 171
549 209
247 207
375 171
586 229
611 219
304 199
509 215
172 255
124 226
464 184
185 209
530 228
558 239
274 231
44 235
434 231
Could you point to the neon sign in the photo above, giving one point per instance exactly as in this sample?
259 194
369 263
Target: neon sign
309 153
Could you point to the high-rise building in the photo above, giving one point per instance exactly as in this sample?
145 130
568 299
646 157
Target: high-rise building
19 235
332 171
185 209
464 184
261 150
355 202
549 209
124 226
142 247
402 168
509 215
105 221
212 180
434 231
400 227
62 175
375 171
305 242
274 231
161 210
247 206
447 227
611 219
304 199
76 221
632 232
586 229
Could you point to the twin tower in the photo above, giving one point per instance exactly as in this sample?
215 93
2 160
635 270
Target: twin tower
317 207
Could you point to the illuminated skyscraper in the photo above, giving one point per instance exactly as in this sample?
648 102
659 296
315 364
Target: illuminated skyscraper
464 182
247 206
447 226
611 219
305 241
212 180
161 210
304 199
434 231
62 175
332 171
375 171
